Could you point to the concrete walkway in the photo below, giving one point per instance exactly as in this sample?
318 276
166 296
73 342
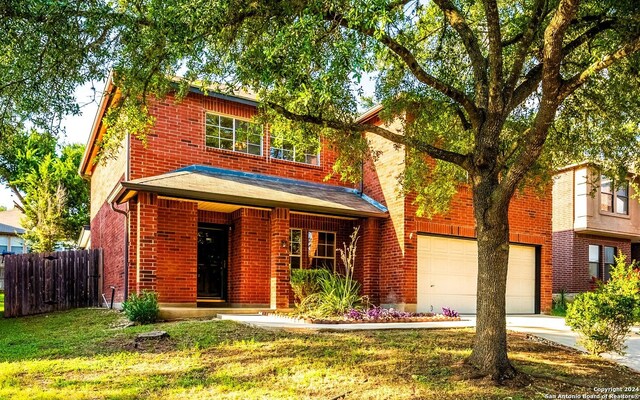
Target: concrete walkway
544 326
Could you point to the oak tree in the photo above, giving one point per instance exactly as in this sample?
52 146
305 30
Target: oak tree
501 92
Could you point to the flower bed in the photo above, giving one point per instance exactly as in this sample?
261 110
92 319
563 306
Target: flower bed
373 315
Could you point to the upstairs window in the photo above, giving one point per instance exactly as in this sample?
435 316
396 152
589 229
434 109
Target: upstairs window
234 134
612 200
286 149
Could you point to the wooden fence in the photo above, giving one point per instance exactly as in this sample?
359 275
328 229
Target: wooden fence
46 282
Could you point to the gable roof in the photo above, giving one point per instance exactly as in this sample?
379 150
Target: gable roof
209 184
111 94
10 222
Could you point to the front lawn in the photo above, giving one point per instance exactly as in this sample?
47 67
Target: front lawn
82 354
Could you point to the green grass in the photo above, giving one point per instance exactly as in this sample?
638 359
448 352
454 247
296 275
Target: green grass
86 354
559 312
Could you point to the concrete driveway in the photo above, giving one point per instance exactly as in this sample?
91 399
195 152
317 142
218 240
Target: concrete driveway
544 326
555 330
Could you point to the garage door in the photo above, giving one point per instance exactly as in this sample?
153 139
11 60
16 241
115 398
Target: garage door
448 271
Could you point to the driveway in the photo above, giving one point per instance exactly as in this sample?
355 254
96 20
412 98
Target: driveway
544 326
555 330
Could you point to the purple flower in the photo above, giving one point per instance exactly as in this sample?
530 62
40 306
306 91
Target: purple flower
447 312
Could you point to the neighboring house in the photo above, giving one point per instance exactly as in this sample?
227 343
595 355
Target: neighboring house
10 241
84 240
216 210
594 219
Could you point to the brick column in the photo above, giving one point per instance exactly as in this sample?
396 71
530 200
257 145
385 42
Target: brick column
147 242
279 243
370 250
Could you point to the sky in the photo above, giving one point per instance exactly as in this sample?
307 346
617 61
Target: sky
77 127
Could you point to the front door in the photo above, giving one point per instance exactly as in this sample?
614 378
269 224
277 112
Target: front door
213 253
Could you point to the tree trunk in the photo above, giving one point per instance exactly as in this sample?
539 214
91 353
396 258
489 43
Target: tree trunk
491 211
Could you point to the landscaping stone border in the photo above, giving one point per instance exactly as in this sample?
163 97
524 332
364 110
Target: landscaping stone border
323 321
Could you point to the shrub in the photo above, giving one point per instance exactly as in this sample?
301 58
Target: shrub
337 293
604 318
142 308
305 282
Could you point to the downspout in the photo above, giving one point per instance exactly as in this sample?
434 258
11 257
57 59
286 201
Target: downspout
126 222
126 247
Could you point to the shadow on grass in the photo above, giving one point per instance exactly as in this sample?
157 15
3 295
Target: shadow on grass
77 351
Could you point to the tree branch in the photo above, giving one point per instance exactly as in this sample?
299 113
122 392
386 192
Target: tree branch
495 56
535 137
573 83
527 37
534 76
397 138
471 44
18 195
412 63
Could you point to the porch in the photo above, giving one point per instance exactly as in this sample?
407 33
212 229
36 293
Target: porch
210 239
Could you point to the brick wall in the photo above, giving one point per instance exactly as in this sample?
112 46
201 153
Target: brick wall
108 232
529 216
530 223
381 183
177 140
571 259
108 228
563 201
249 269
177 251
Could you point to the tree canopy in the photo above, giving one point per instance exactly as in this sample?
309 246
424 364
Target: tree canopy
500 91
44 177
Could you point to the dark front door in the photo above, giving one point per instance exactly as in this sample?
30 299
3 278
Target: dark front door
213 253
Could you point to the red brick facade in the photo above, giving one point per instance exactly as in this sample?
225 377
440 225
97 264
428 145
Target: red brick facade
108 232
571 259
163 233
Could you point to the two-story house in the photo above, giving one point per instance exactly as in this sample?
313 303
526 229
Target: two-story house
216 210
594 219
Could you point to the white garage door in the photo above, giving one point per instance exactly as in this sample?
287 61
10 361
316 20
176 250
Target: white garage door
448 271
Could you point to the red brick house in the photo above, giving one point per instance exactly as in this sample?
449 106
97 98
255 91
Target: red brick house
216 210
593 221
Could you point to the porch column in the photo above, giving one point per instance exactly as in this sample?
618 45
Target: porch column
147 242
279 243
370 249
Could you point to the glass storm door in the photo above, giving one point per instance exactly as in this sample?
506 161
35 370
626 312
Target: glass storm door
213 253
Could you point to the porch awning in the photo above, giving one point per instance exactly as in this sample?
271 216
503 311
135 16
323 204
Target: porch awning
202 183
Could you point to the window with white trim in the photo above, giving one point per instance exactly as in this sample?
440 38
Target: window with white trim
295 248
614 200
223 132
594 261
284 148
4 244
609 260
321 249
